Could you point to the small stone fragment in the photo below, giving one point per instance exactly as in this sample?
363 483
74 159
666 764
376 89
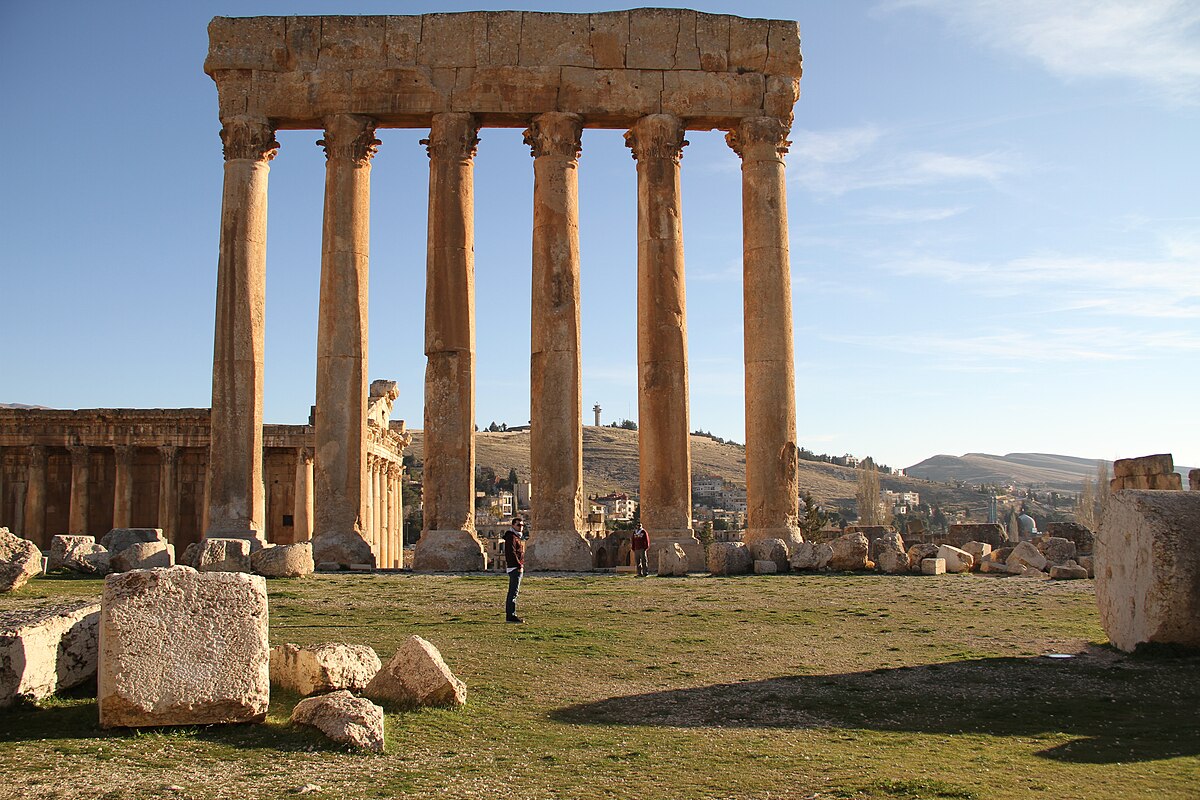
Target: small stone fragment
933 566
344 718
957 561
765 567
672 561
979 551
1068 572
417 676
224 555
1026 555
284 560
918 553
775 550
20 560
143 555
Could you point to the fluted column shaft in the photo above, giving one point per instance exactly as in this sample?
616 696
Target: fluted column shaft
664 451
556 396
448 540
340 463
123 486
168 494
772 491
302 502
236 505
78 517
35 496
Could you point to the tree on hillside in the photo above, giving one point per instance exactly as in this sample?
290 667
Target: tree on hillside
867 496
485 479
1085 505
813 518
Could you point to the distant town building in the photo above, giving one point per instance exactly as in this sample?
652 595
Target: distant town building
617 506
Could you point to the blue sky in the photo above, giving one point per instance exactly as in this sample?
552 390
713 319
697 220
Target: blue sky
994 218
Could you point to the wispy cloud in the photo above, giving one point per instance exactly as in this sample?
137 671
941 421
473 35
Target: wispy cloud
908 215
1155 42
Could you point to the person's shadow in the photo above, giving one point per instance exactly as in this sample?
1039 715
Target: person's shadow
1120 709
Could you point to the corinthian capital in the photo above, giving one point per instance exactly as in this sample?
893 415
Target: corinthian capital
759 138
555 133
452 136
350 137
248 137
656 136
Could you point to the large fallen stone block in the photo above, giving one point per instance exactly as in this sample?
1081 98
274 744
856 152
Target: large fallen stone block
775 550
918 553
344 718
849 552
766 567
811 556
1147 564
1079 534
672 561
1026 555
933 566
729 558
992 533
978 551
118 539
888 540
957 560
70 552
417 676
284 560
1088 563
143 555
178 647
223 555
47 649
1159 464
1069 571
20 560
1056 549
318 668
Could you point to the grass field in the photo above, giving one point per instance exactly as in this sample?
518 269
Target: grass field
796 686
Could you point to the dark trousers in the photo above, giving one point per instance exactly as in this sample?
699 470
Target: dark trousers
514 586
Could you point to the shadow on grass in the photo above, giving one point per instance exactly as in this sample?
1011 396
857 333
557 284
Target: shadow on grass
1131 709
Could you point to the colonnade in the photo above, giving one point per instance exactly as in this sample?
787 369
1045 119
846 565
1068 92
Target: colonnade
350 495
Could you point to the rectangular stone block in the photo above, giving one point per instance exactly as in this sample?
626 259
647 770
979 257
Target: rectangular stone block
692 92
555 40
933 566
748 44
609 39
783 48
349 43
1172 482
178 647
247 43
402 37
653 37
503 39
712 42
601 92
765 567
506 90
47 649
1160 464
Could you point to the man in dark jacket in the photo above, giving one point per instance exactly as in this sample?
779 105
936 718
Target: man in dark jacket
641 543
514 562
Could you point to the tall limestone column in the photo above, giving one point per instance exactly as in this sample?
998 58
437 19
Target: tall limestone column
556 393
236 502
77 521
340 464
123 486
772 489
664 450
35 497
168 493
448 541
302 508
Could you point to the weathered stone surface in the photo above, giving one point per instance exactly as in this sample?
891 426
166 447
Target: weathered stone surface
47 649
849 552
978 551
918 553
887 551
284 560
450 551
1033 574
1056 549
957 560
1071 571
1160 464
1194 480
765 567
67 552
992 533
20 560
417 676
180 647
1088 563
672 561
143 555
811 556
344 718
933 566
118 539
1172 482
1026 555
775 550
1147 565
317 668
880 537
98 563
1079 534
729 558
223 555
991 565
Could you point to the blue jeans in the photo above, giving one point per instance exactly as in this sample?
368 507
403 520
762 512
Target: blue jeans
514 586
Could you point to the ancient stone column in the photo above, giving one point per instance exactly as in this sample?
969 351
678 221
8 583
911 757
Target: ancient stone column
772 491
78 517
168 493
380 502
35 497
664 450
302 508
386 539
556 394
340 464
448 541
236 504
123 486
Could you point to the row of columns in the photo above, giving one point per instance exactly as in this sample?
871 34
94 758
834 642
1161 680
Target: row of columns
342 531
385 512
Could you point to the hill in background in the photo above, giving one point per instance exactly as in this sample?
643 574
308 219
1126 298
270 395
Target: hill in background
1063 473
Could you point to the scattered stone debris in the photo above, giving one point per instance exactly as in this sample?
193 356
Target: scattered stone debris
344 718
318 668
417 676
729 558
672 561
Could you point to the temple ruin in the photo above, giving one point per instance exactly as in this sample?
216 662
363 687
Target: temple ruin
655 73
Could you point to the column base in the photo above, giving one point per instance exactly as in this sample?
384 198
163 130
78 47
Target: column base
448 551
257 538
347 549
685 538
559 551
790 534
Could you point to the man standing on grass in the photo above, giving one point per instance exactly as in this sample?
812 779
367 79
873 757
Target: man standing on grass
514 562
641 544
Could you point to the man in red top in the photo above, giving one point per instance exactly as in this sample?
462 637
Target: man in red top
641 543
514 562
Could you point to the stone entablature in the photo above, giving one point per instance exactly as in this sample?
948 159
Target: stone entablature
613 68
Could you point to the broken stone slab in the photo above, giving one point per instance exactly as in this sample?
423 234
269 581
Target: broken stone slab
143 555
989 565
765 567
1194 480
318 668
957 560
346 549
1147 567
1026 555
992 533
47 649
344 718
118 539
190 554
223 555
811 556
283 560
775 550
1070 571
416 676
1079 534
1172 482
180 647
918 553
887 540
672 561
20 560
729 558
849 552
1088 563
1056 549
892 561
1035 574
978 551
933 566
68 552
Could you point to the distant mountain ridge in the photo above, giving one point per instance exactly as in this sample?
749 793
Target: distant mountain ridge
1064 473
